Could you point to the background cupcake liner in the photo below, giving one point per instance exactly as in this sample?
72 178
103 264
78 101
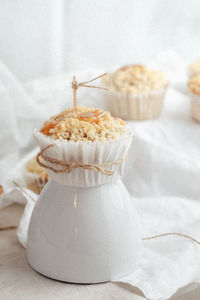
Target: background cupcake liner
136 106
94 153
195 106
35 182
190 73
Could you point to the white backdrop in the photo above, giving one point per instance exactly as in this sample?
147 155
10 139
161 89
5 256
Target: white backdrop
46 37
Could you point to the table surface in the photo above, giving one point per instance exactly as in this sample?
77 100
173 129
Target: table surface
19 282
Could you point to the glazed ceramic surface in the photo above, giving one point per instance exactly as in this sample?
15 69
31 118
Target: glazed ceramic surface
84 235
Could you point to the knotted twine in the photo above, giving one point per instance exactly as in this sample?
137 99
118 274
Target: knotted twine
69 166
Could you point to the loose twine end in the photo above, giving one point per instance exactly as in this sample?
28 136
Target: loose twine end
23 191
7 228
3 228
171 233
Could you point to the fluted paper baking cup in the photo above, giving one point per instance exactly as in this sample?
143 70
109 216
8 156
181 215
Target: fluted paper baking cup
85 153
141 106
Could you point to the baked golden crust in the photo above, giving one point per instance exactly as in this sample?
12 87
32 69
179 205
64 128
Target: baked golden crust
136 79
87 124
195 67
194 84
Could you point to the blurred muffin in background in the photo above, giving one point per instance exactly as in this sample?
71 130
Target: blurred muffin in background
35 176
194 90
194 68
135 92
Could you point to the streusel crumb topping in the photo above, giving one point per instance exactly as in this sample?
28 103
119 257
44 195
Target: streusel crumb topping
195 67
87 124
135 79
194 84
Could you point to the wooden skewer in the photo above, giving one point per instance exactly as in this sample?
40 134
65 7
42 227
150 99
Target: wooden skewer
75 87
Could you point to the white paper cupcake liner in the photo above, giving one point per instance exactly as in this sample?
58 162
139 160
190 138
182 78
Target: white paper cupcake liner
85 153
136 106
195 106
35 182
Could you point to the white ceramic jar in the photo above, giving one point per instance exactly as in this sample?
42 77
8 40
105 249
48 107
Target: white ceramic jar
84 235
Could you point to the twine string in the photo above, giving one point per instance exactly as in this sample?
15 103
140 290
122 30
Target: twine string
68 167
94 87
11 227
93 79
8 228
23 191
171 233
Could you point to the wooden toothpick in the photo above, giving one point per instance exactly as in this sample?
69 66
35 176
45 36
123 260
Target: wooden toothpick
75 87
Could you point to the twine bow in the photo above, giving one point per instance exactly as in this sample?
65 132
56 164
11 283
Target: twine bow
68 167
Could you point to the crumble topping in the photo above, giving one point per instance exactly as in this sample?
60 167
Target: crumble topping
194 84
195 67
135 79
87 124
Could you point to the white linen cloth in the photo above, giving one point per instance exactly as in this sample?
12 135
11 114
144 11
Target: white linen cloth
162 173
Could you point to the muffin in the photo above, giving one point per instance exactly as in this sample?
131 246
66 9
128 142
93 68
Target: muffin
35 176
1 189
136 92
88 147
194 68
194 90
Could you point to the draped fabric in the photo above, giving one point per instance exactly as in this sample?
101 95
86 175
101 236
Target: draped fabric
46 37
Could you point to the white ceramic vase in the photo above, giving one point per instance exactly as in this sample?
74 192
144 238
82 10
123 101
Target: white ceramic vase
84 235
